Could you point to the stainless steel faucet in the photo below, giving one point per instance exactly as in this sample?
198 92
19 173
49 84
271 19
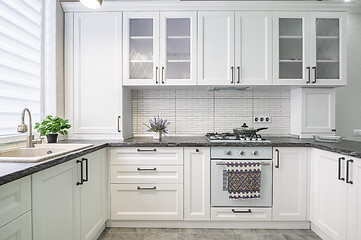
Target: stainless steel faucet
22 128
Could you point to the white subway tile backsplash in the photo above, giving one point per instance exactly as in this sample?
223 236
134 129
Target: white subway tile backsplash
197 111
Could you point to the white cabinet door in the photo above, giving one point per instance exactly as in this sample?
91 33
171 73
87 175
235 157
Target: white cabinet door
93 195
197 195
178 41
15 199
328 48
216 48
290 184
19 229
291 49
55 199
146 201
318 110
329 194
97 73
253 48
354 199
141 48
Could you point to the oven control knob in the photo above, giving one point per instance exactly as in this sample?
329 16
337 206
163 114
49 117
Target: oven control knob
241 153
255 153
228 152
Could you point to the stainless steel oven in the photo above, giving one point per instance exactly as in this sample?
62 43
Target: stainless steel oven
220 156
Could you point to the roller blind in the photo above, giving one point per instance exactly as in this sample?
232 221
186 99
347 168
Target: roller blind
20 62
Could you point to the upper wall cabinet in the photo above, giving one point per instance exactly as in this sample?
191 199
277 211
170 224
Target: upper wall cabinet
94 94
235 48
328 48
309 48
159 48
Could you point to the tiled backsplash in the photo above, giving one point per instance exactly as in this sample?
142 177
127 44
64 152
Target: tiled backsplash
196 112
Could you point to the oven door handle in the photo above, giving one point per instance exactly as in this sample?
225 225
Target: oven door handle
225 163
242 211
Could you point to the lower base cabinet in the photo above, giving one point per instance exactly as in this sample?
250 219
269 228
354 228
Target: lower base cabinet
146 201
67 206
18 229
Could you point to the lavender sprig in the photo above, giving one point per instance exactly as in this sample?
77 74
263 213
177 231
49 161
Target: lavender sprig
158 125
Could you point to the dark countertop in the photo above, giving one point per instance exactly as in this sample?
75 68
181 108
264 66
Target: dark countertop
12 171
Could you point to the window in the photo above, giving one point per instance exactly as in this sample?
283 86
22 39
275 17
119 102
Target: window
20 62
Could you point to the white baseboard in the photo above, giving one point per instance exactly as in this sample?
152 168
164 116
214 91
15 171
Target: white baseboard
210 224
319 232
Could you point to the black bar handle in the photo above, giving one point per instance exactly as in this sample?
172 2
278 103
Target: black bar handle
162 75
232 72
81 173
278 158
348 171
156 75
315 74
309 74
339 168
247 211
239 74
119 124
147 169
147 188
146 150
86 169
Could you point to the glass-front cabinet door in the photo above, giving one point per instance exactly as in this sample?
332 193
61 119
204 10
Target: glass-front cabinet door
141 48
291 48
328 48
178 48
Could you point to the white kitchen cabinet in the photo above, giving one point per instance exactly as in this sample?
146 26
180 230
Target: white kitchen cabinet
18 229
329 194
197 195
328 48
216 48
290 184
94 93
56 202
253 48
310 48
93 195
159 48
69 204
15 200
146 201
312 111
354 199
291 48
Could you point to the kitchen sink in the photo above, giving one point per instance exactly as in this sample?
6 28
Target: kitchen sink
39 152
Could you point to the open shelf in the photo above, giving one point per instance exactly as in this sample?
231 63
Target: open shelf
291 60
327 37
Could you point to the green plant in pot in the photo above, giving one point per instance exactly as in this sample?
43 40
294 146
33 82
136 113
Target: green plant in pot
52 126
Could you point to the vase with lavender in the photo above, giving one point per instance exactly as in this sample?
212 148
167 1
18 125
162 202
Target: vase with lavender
158 127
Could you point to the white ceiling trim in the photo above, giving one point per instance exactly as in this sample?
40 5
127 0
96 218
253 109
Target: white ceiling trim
114 6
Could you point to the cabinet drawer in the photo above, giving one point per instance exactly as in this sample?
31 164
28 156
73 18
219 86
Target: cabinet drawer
146 201
18 229
146 174
147 155
15 199
246 214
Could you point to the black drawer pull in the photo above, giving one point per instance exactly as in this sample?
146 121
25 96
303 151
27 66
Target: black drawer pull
348 171
146 150
86 169
248 211
147 169
339 169
146 188
81 173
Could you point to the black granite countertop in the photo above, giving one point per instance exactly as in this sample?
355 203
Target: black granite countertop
13 171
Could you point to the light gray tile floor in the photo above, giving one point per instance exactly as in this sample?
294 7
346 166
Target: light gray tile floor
205 234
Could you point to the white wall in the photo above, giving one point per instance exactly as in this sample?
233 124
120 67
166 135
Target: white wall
348 99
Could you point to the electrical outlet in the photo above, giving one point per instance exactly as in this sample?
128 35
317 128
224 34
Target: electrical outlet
256 119
357 132
262 119
267 119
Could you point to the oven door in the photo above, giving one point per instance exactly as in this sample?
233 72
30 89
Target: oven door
219 193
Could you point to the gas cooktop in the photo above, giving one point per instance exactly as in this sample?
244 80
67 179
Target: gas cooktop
231 137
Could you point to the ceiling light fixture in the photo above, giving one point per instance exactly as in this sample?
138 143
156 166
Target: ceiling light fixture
94 4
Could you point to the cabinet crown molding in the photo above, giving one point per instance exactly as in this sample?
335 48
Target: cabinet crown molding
118 6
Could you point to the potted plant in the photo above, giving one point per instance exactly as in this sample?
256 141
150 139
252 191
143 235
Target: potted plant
158 127
51 126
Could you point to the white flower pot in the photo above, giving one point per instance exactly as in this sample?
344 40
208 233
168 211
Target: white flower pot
157 136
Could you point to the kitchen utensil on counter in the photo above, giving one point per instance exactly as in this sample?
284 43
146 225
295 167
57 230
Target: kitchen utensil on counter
327 138
246 131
